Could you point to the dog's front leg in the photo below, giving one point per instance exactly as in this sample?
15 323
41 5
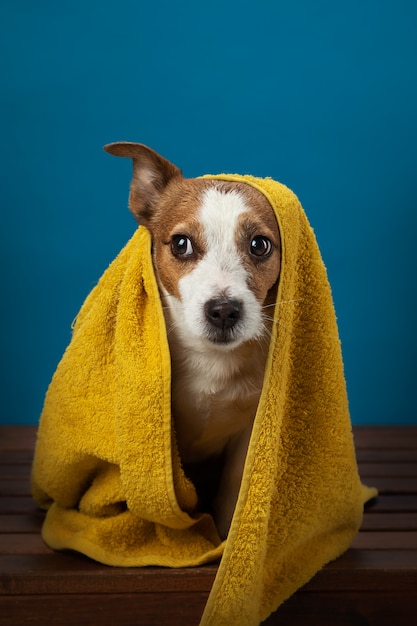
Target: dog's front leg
226 499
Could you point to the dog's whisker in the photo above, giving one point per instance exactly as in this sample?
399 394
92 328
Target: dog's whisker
168 295
266 331
275 304
273 321
172 327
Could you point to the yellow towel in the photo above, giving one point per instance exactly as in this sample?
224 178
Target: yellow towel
106 465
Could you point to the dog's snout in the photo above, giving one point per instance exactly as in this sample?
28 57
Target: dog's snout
223 313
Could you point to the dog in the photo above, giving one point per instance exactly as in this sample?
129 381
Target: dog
216 251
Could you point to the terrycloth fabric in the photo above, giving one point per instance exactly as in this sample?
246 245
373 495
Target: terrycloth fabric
106 464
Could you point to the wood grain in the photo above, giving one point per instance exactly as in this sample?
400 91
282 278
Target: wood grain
374 583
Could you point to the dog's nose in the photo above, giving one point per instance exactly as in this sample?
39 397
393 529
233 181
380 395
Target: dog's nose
223 313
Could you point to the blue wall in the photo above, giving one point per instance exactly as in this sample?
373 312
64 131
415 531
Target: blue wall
321 95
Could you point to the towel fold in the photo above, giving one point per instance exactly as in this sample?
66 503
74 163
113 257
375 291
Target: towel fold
106 465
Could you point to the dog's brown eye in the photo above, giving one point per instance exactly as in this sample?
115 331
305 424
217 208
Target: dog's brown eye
181 245
260 246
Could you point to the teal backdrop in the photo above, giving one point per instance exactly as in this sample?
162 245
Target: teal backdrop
320 95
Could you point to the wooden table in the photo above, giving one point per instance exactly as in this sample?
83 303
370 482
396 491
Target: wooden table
373 583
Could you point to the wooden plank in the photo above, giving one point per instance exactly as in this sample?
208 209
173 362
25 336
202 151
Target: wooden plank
172 609
73 573
18 504
392 503
385 438
389 521
18 543
386 455
399 441
17 437
147 609
371 429
391 485
353 609
368 570
387 540
17 487
20 523
388 469
394 437
14 471
16 456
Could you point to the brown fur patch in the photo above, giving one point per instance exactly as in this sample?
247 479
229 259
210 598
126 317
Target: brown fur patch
176 214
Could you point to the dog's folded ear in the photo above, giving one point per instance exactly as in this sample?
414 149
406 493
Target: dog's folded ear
151 174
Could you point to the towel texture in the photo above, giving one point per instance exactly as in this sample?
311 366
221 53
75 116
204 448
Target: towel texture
106 465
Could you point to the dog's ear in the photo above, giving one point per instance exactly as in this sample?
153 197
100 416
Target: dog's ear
151 174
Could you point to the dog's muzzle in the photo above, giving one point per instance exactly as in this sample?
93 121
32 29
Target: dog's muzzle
222 315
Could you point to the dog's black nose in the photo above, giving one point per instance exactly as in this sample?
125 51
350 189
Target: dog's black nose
223 313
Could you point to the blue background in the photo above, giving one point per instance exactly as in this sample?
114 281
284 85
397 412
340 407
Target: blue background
321 95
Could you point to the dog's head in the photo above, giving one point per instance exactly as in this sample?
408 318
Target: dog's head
216 249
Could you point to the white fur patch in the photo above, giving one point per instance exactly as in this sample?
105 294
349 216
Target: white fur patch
220 273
